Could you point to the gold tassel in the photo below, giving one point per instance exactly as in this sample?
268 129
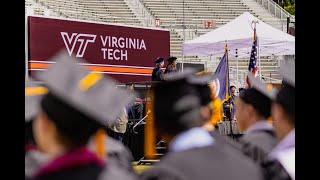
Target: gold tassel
269 119
89 80
31 91
100 138
149 129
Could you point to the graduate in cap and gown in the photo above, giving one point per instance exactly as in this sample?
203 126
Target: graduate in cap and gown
201 82
280 164
78 105
253 110
171 66
33 157
157 74
192 152
117 153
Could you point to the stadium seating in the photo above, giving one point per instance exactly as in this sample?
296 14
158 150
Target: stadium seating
173 14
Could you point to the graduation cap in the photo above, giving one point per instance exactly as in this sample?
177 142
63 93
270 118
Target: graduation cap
262 87
80 101
34 92
159 60
203 83
286 94
171 59
91 93
287 71
259 95
175 106
182 75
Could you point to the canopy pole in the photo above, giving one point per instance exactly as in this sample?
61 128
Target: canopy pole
259 59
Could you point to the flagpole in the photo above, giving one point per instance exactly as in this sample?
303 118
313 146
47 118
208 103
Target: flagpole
237 68
227 63
259 57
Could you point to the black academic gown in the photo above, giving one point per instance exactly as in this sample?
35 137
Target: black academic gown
219 161
271 169
117 152
265 139
257 144
157 74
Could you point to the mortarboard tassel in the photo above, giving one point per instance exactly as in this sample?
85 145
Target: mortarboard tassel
89 80
30 91
269 88
100 138
149 129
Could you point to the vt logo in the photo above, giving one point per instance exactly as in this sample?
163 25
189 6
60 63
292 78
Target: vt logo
71 41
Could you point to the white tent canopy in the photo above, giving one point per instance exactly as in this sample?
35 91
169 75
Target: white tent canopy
239 34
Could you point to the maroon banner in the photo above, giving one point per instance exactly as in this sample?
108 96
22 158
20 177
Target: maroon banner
126 53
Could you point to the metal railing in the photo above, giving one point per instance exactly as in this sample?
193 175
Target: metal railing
148 18
275 9
242 75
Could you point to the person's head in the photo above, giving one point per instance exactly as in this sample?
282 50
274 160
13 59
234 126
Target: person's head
252 106
233 89
172 61
77 104
34 92
283 108
283 111
205 100
176 106
241 90
211 108
130 87
55 125
159 62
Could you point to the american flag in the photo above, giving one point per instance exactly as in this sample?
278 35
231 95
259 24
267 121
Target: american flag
253 68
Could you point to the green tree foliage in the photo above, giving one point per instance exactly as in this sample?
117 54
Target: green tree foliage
288 5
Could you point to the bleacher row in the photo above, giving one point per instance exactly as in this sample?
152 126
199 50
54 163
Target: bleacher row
172 14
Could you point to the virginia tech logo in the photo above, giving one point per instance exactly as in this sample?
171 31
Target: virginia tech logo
71 41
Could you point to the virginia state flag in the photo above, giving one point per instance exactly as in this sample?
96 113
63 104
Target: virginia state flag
221 84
